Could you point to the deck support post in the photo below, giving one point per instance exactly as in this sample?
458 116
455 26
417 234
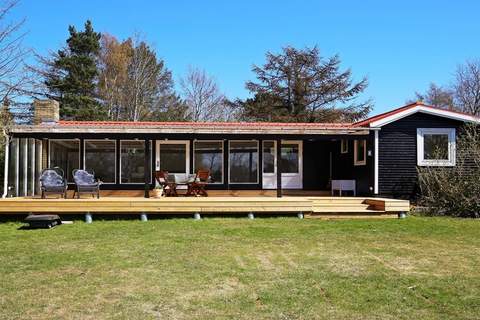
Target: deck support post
251 216
279 171
300 215
143 217
197 216
402 215
146 170
88 217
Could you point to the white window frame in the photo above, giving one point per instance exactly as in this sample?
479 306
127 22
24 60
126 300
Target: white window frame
115 161
300 158
274 158
344 146
257 181
49 155
120 169
187 154
355 153
421 161
223 152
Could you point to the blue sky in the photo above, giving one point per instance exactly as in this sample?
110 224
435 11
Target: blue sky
400 46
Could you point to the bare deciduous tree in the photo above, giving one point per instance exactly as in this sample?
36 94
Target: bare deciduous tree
13 76
134 84
437 96
203 97
467 87
462 95
12 53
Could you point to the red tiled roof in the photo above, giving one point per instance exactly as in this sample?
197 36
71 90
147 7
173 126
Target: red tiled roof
66 123
247 125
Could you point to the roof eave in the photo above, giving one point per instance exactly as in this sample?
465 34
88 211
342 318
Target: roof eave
38 129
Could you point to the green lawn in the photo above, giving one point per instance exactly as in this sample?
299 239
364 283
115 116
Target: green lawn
278 268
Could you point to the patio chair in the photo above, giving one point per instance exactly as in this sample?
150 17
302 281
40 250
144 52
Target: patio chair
85 182
52 181
169 187
197 187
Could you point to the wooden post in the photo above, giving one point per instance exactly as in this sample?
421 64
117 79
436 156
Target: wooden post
260 163
279 171
82 155
146 170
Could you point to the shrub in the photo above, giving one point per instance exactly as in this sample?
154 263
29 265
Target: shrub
455 190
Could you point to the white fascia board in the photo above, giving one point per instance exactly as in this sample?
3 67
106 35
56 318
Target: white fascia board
423 109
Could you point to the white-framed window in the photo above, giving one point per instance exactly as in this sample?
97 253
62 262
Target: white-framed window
100 157
436 146
360 152
173 156
344 146
208 155
243 161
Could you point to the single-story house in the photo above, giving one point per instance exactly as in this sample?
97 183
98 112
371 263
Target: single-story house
379 155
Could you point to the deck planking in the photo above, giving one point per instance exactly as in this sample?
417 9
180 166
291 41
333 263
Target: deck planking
315 206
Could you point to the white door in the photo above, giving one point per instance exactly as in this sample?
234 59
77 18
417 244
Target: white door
173 156
291 162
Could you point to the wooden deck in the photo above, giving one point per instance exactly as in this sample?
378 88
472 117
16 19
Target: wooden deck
323 207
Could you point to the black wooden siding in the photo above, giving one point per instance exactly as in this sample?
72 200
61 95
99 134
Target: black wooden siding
344 168
398 153
316 164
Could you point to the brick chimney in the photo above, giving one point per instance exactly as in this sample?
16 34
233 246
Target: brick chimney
46 111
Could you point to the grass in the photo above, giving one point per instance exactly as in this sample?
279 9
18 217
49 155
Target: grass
220 268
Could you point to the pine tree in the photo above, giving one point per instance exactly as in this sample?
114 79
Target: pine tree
73 75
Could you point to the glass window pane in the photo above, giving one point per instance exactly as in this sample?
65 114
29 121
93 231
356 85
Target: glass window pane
209 156
289 161
435 146
100 158
173 157
243 161
132 159
361 150
65 155
268 157
344 146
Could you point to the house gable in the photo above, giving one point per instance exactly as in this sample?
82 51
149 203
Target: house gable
405 111
397 154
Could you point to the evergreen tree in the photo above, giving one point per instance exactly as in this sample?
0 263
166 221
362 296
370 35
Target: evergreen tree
72 76
298 85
